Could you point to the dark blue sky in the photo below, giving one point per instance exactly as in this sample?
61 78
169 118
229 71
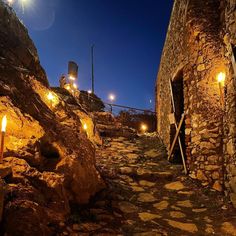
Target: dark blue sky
128 37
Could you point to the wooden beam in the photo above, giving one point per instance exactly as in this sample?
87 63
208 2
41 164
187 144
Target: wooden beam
176 127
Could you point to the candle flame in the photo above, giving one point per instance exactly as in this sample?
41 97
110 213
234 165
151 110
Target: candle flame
50 96
221 77
4 123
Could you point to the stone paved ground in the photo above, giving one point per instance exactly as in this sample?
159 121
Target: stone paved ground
147 196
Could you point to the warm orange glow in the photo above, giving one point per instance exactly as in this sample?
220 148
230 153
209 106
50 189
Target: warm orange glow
85 126
67 87
221 77
144 127
75 86
50 96
4 123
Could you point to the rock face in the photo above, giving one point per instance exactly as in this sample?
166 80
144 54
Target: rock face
200 44
91 102
51 156
1 198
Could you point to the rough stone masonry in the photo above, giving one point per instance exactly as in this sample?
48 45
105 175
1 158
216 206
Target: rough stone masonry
200 44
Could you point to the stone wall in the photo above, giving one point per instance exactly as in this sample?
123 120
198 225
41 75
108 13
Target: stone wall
229 19
194 47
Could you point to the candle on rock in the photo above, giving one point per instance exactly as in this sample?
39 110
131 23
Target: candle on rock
221 80
50 98
4 125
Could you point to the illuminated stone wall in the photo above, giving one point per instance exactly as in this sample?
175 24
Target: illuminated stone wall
195 48
229 19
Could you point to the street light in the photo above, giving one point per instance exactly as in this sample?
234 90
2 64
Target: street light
112 97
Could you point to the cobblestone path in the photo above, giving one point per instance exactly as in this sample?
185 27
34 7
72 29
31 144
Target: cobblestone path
148 196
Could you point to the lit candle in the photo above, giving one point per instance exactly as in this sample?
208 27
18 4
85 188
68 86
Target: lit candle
4 125
50 98
221 79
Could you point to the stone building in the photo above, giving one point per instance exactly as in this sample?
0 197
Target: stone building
200 46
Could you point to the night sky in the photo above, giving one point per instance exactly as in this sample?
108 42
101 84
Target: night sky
128 37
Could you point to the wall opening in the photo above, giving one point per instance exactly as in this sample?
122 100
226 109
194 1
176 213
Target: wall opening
178 96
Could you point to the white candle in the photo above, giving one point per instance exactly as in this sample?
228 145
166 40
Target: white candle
3 131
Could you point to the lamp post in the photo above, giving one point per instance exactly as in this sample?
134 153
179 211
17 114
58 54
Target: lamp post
89 92
3 131
112 99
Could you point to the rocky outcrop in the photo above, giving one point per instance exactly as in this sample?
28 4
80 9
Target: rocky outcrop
91 102
51 156
1 199
73 103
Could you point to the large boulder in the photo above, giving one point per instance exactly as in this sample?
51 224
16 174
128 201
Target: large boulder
31 197
51 156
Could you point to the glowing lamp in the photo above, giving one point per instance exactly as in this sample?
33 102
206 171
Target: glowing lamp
85 127
89 91
72 78
4 125
75 86
112 97
144 127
